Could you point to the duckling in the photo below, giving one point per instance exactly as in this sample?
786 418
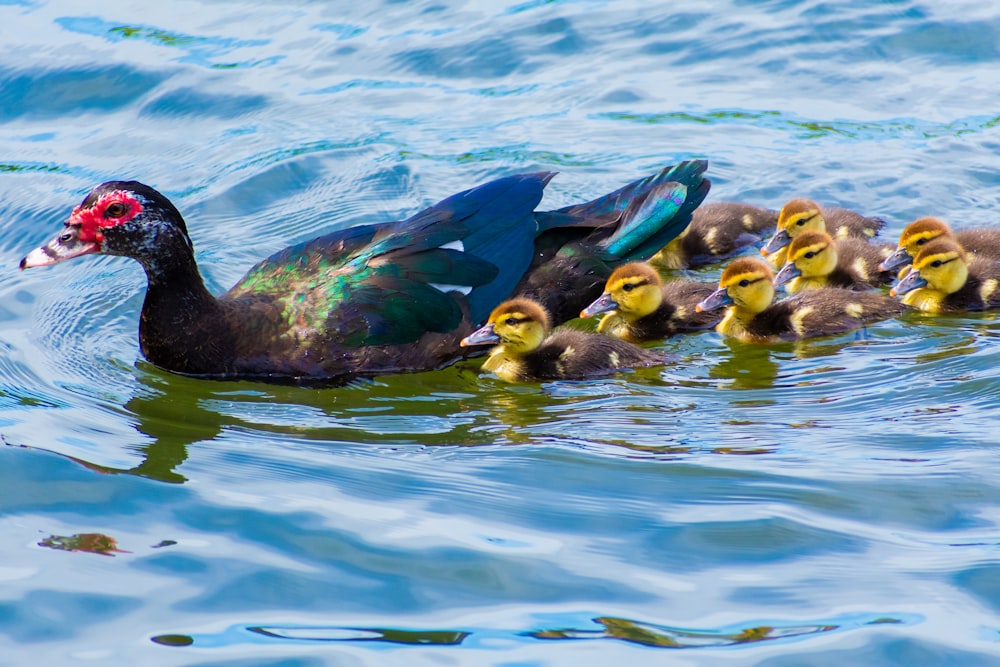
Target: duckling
641 307
983 241
529 351
746 287
945 279
800 215
717 231
816 260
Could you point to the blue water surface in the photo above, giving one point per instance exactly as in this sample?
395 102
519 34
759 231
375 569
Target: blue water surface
829 503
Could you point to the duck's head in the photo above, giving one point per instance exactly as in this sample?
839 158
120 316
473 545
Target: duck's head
915 236
812 254
797 216
939 266
117 218
519 325
746 284
634 290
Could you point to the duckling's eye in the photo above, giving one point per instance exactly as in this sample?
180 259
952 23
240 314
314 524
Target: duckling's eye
115 210
510 321
921 241
800 222
936 263
809 255
628 287
744 282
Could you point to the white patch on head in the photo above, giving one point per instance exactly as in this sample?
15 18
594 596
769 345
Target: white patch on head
453 245
464 289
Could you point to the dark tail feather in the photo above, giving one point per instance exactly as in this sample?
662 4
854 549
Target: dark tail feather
649 212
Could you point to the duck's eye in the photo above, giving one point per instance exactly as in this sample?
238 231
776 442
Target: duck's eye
936 263
921 241
800 222
628 287
65 236
115 210
510 321
809 255
744 283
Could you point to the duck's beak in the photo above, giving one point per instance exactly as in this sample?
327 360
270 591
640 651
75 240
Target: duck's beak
896 259
716 299
65 246
908 283
481 336
787 272
776 242
602 304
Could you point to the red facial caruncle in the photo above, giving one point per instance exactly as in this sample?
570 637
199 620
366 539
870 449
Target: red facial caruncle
113 209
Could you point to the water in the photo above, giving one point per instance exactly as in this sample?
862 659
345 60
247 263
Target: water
826 503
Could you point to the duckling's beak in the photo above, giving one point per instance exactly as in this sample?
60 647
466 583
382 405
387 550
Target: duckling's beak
776 243
602 304
787 272
716 299
481 336
896 259
910 282
65 246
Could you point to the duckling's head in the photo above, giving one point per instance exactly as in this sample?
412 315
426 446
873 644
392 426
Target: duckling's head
745 284
812 254
634 290
939 266
796 216
915 236
519 325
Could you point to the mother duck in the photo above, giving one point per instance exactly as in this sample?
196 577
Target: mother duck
376 298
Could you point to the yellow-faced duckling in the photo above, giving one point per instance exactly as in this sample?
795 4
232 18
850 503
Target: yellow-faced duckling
746 287
816 260
983 241
527 350
801 215
717 231
945 279
640 307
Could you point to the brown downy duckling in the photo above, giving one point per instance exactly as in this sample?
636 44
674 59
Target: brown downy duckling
753 315
801 215
717 231
982 241
527 350
816 260
640 306
946 279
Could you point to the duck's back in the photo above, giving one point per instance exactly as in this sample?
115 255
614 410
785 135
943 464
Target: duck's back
981 241
857 264
677 313
845 223
822 312
569 354
981 290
